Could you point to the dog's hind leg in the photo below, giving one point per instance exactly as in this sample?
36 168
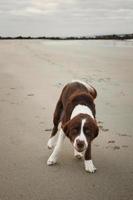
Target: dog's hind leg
56 121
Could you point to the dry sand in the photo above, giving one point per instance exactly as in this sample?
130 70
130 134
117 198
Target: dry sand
32 74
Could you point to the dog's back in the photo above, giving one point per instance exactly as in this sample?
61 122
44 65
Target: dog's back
74 89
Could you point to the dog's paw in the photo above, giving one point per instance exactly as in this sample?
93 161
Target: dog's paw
51 143
51 161
89 166
78 155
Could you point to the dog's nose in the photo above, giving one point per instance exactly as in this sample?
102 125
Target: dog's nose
80 143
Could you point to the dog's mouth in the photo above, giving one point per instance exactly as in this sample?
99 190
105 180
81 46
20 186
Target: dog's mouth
80 149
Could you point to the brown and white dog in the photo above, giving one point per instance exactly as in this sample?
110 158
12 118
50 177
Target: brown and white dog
75 110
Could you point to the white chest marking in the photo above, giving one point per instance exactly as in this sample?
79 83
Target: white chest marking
81 109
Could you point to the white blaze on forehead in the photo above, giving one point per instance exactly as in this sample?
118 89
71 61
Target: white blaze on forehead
81 109
81 136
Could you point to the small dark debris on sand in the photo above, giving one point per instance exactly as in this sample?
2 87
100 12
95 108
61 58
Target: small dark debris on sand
41 122
103 129
100 122
12 88
48 129
96 145
58 85
125 146
111 141
37 116
116 147
100 126
30 95
124 135
8 94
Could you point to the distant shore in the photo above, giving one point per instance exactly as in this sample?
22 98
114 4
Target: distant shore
97 37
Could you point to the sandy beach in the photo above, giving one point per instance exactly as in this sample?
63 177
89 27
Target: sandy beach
32 75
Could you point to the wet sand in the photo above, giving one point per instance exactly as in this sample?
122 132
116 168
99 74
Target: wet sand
32 74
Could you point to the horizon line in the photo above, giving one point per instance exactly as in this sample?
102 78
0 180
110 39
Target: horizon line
121 36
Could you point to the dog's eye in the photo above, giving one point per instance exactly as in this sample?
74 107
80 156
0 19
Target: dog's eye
75 129
87 131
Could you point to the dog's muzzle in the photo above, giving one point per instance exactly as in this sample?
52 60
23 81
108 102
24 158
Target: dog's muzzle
80 145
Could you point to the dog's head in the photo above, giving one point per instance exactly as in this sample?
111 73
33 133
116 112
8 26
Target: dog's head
81 130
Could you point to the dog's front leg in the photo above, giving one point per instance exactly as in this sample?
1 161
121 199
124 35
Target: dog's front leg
54 156
77 154
89 166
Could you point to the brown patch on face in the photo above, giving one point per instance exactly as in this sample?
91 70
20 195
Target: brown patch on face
73 127
90 128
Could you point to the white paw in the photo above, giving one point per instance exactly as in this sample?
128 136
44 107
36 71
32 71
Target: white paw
89 166
51 161
78 155
51 143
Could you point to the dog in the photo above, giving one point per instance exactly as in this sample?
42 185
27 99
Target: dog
75 110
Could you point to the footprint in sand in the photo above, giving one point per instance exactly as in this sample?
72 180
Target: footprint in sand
100 122
30 95
48 129
116 148
124 146
111 141
12 88
103 129
124 135
58 85
101 126
7 94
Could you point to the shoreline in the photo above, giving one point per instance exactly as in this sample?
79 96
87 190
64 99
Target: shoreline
95 37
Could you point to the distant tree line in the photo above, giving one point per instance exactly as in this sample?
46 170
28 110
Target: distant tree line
97 37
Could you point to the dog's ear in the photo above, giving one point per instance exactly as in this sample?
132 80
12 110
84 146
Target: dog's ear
96 131
66 128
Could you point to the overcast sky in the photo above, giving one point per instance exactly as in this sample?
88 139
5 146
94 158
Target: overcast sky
65 17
